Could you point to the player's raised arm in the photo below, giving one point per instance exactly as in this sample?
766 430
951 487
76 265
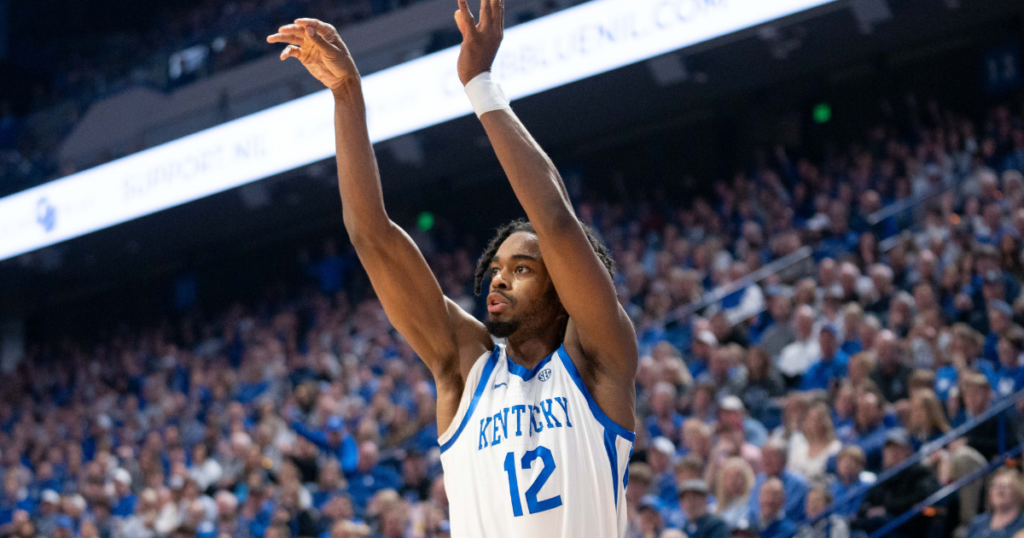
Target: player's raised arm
437 329
584 286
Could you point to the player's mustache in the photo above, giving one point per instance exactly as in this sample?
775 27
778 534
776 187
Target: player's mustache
505 295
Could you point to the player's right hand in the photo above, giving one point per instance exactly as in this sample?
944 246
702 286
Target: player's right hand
320 49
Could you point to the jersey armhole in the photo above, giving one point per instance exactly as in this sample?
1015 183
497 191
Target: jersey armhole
609 424
466 411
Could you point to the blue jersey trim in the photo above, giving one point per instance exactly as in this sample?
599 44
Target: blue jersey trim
613 457
485 378
608 423
522 371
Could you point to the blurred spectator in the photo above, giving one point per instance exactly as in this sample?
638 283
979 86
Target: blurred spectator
774 521
693 497
819 497
794 485
811 448
913 485
734 482
1005 517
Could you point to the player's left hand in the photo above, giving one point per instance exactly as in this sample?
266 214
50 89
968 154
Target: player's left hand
480 40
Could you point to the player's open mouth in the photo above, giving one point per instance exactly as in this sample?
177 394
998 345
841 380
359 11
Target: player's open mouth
496 303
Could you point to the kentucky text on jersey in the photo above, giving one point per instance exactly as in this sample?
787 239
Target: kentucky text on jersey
495 428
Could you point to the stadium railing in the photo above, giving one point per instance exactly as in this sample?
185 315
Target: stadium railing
717 294
899 210
997 408
910 205
946 491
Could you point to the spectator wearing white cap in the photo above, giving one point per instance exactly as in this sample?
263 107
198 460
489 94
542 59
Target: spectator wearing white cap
49 512
661 457
124 499
733 413
703 345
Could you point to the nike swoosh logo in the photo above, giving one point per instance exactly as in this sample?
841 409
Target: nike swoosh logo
500 384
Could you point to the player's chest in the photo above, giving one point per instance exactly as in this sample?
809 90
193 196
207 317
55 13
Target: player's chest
522 412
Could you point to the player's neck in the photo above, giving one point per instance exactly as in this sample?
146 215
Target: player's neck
528 352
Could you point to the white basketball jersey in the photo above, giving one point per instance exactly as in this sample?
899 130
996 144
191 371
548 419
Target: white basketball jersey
531 455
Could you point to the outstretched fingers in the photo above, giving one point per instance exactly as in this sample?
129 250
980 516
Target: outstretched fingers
285 38
329 33
465 19
498 11
291 51
485 13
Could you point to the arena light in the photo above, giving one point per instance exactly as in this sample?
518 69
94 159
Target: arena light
558 49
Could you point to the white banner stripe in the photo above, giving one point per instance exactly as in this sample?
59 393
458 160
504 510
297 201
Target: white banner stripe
558 49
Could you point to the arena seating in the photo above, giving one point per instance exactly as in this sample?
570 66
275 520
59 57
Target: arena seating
803 335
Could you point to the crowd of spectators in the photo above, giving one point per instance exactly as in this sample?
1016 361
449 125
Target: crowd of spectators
769 411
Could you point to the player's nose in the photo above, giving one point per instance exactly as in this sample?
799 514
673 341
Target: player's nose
498 281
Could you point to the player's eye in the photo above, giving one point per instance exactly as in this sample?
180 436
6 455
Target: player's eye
495 271
522 269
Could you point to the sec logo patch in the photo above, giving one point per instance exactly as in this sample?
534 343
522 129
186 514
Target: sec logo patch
545 374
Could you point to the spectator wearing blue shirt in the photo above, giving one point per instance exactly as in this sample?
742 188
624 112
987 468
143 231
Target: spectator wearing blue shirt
333 440
840 240
370 476
15 497
660 457
124 499
831 367
945 380
700 355
868 430
330 271
1000 318
774 521
852 482
773 459
1010 375
853 318
329 484
664 420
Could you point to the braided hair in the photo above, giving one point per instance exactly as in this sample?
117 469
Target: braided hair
523 225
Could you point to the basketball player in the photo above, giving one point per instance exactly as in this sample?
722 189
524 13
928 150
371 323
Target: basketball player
536 432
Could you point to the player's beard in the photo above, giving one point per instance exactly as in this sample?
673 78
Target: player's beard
529 320
502 329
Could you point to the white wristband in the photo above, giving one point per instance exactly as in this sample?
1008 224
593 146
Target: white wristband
486 95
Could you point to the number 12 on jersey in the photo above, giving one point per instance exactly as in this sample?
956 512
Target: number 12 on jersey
532 504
